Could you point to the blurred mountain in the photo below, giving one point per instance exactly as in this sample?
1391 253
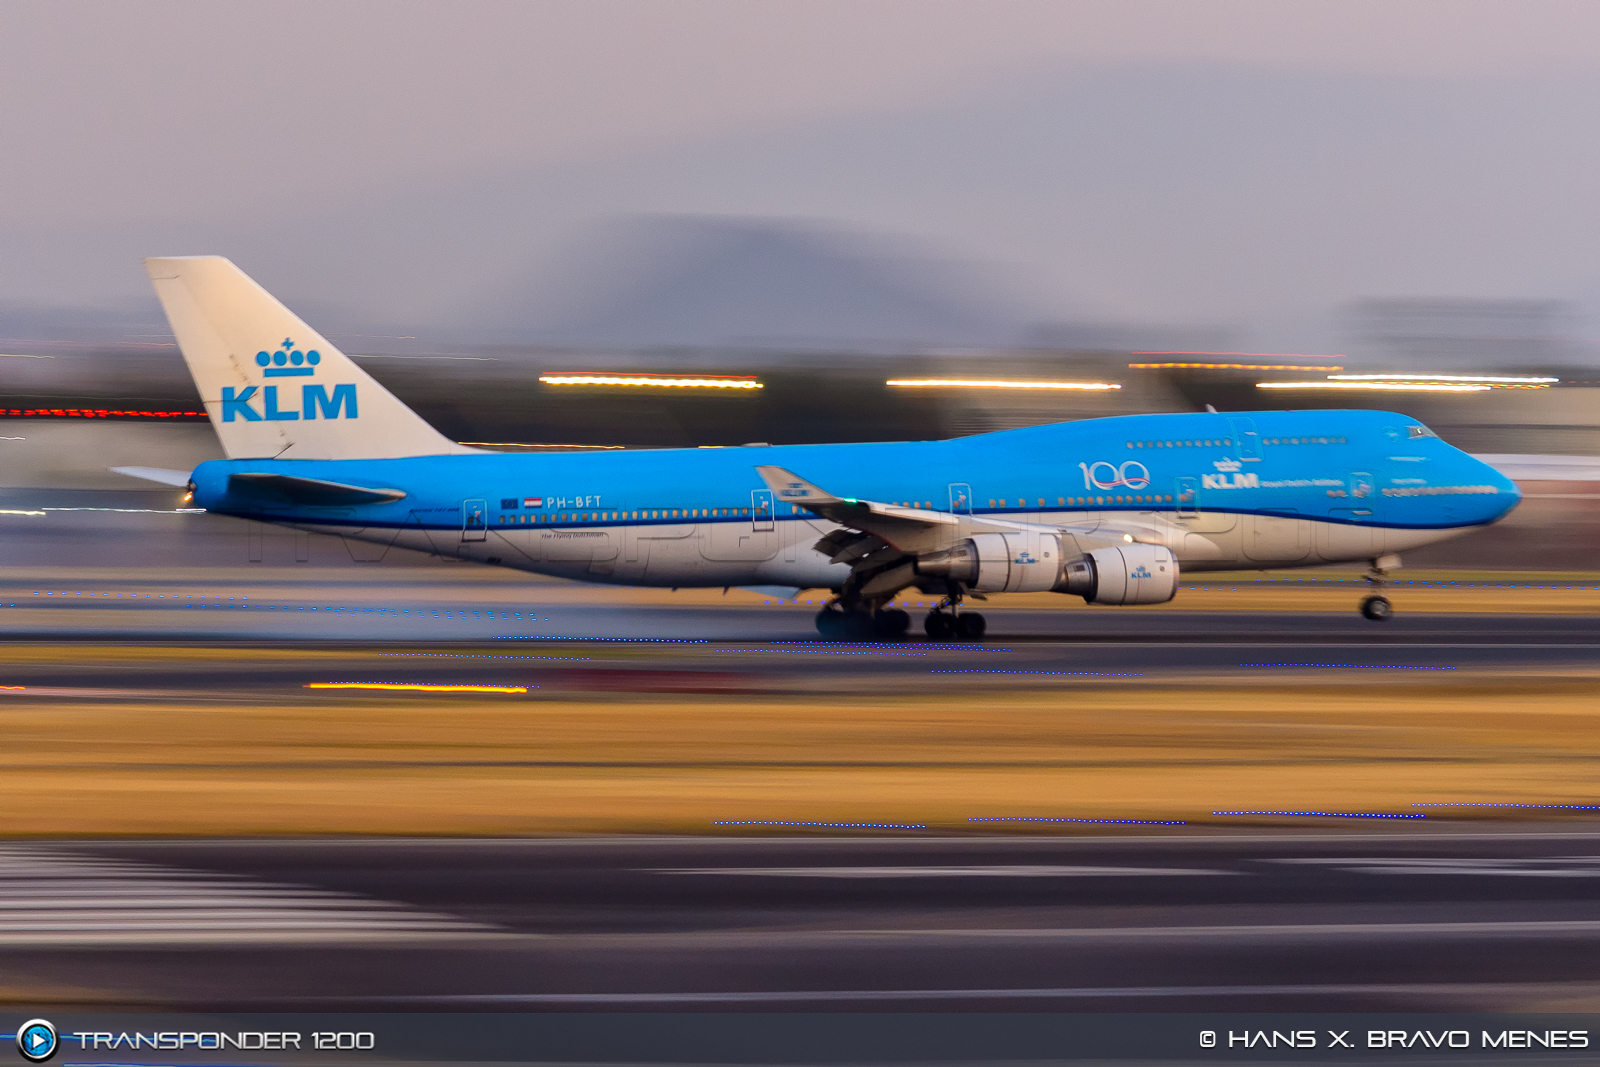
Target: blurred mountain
132 322
691 281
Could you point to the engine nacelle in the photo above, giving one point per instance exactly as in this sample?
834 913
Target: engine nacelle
1023 562
1125 574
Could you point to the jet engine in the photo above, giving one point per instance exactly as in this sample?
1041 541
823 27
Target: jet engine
1125 574
1032 563
1023 562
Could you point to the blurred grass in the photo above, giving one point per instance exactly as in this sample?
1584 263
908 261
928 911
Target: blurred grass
277 759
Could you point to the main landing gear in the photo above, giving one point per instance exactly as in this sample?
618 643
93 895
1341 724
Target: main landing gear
945 626
1376 606
943 623
885 624
947 622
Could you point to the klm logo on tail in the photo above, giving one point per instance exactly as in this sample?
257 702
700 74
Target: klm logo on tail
288 362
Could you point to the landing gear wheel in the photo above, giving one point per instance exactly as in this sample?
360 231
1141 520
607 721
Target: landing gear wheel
939 626
1377 608
891 623
970 626
832 623
863 626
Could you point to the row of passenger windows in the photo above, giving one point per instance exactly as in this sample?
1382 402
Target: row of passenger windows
1085 501
1210 443
706 513
1226 442
621 516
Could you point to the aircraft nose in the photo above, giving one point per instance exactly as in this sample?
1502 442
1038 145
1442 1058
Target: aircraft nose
1506 495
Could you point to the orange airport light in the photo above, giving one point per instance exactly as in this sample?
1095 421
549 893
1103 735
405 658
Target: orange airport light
1257 355
1390 387
418 687
1230 366
669 381
969 383
1494 381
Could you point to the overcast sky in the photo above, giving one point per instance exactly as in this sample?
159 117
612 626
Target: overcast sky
1229 161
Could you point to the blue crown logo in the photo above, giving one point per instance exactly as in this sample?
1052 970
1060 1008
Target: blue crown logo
288 362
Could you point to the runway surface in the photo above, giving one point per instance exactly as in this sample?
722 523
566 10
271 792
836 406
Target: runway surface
781 641
1326 920
479 604
177 691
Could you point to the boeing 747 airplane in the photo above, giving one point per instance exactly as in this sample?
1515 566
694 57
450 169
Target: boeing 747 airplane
1110 510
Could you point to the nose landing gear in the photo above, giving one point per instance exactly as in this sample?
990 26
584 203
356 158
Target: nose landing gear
1375 605
1376 608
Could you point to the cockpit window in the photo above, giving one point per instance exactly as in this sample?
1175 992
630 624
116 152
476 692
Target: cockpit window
1413 432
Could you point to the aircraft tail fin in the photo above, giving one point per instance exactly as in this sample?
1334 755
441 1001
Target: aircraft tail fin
274 387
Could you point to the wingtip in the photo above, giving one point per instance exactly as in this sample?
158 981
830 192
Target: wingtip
791 488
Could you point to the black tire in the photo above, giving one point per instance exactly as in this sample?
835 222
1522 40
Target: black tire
831 623
860 626
892 623
970 626
1377 608
938 626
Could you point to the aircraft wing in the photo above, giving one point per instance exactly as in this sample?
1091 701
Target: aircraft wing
907 529
915 530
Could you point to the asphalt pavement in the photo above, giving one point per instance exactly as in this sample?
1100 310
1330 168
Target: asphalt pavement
1330 914
1451 917
397 606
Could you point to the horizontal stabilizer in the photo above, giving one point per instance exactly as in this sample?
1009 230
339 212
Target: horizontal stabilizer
176 479
308 492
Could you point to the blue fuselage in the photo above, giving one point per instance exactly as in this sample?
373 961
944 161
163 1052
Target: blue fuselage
1386 479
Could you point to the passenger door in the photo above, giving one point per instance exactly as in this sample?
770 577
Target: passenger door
1352 532
1246 442
474 520
761 511
1188 498
960 498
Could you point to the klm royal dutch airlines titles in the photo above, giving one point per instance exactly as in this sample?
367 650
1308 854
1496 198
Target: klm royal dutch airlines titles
1110 510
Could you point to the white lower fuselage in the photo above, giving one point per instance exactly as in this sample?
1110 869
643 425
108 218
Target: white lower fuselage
779 551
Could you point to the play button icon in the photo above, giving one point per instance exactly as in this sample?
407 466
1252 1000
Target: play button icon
36 1040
